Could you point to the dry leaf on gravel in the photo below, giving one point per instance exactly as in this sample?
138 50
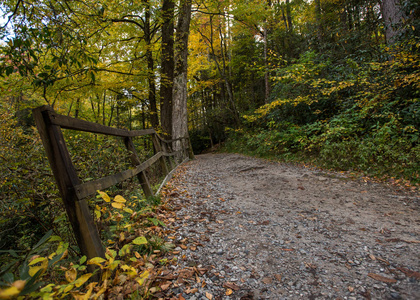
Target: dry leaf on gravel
267 280
191 291
382 278
409 273
278 277
231 285
229 292
209 296
165 286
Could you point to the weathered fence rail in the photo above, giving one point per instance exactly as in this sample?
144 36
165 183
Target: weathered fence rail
74 192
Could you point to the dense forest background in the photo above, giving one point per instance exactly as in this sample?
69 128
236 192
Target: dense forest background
335 83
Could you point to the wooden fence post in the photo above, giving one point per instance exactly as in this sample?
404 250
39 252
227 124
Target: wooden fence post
158 148
190 149
144 182
84 228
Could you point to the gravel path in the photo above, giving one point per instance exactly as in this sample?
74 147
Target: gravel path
248 228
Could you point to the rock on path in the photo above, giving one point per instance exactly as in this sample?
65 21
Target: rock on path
265 230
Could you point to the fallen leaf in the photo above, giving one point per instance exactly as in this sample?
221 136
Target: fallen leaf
191 291
310 266
209 296
382 278
183 247
351 289
383 260
231 285
202 271
285 249
71 275
267 280
229 292
411 241
165 285
409 273
193 248
278 277
372 257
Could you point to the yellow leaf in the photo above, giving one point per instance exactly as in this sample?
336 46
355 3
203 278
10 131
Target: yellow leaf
119 199
229 292
117 205
106 275
9 292
43 266
71 275
125 250
97 214
114 264
143 277
48 288
82 279
128 210
19 284
99 293
104 196
141 240
130 271
109 253
68 288
96 261
37 260
90 289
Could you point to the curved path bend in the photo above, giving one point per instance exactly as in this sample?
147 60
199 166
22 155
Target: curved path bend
256 229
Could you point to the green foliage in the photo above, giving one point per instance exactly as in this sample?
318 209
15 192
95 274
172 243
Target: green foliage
347 115
42 273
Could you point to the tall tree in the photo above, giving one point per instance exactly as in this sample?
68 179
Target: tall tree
393 16
167 75
148 36
180 93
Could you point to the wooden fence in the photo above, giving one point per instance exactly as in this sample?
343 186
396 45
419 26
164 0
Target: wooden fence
74 192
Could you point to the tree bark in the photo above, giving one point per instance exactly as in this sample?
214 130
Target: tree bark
289 15
392 15
266 73
167 75
179 107
150 66
320 30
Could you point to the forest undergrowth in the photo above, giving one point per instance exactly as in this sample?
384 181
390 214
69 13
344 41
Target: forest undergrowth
353 115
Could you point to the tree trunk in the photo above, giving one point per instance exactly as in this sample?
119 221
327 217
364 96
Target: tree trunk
320 31
179 107
150 66
167 75
266 73
392 15
289 15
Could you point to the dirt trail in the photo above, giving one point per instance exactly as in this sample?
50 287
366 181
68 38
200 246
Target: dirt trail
266 230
